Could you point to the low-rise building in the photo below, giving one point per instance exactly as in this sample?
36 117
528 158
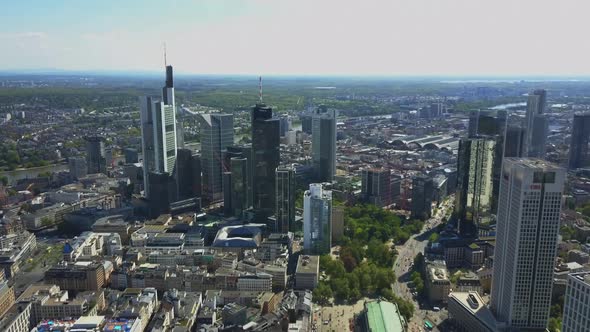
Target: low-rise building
50 302
469 313
437 282
383 316
307 272
80 276
6 297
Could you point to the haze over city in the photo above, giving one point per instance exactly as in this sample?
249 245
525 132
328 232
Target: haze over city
383 38
294 166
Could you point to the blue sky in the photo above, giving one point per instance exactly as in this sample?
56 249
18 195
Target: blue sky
373 37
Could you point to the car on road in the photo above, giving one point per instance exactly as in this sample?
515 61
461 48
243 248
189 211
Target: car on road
436 309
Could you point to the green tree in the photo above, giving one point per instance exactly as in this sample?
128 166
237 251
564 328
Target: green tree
322 293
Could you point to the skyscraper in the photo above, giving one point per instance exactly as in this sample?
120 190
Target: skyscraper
158 132
285 205
188 174
514 140
95 155
323 144
265 160
526 242
240 190
241 152
579 147
576 315
77 167
162 193
536 125
376 186
217 133
317 220
475 185
487 122
422 190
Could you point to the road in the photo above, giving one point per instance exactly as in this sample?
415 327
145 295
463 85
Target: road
403 265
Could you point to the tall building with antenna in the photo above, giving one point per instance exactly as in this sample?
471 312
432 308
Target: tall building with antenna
265 158
158 131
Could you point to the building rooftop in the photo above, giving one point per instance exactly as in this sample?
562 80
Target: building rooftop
383 316
474 304
308 264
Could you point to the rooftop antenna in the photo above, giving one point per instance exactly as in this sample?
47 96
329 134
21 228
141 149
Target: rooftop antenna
165 62
260 88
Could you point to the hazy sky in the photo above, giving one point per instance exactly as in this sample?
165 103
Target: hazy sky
387 37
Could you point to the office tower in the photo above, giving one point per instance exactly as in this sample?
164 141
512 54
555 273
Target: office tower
179 134
187 174
579 147
285 205
163 191
576 309
536 125
306 123
376 186
526 241
95 155
284 124
217 133
323 144
158 132
240 191
317 219
265 160
227 193
514 140
77 167
241 152
487 122
475 185
337 222
422 189
131 156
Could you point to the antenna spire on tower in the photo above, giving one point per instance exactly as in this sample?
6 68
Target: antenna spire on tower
165 62
260 88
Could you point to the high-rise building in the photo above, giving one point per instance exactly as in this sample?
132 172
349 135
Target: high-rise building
580 144
162 193
131 156
241 152
422 189
536 125
317 220
487 122
188 174
323 144
158 132
240 190
474 194
95 155
526 242
227 193
285 205
576 309
217 133
514 141
376 186
77 167
265 160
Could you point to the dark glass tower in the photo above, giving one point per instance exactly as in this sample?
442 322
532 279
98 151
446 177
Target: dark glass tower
95 155
285 206
579 147
188 174
265 160
422 189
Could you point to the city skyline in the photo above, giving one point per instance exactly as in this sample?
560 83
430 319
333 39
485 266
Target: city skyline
208 37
